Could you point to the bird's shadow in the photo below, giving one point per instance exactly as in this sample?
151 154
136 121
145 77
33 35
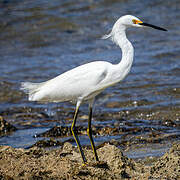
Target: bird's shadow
101 164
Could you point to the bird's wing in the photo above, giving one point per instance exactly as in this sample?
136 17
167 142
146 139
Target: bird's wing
78 82
82 82
90 74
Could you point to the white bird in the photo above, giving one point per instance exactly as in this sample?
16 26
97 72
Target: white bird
85 82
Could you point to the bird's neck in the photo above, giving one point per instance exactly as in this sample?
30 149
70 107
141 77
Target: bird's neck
126 47
124 66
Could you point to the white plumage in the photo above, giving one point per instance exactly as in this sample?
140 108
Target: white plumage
88 80
79 83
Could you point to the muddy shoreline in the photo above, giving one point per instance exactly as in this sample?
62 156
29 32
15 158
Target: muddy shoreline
65 163
52 158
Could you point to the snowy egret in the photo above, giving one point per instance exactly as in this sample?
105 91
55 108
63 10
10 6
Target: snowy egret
84 82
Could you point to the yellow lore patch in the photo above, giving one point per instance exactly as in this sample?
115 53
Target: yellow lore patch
136 21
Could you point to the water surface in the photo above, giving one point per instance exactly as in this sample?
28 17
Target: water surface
42 39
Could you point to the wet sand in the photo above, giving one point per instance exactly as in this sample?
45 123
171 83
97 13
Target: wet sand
65 163
53 159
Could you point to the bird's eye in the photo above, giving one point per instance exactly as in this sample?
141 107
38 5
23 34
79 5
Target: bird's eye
134 21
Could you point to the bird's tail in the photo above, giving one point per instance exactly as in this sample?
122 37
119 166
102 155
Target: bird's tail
31 89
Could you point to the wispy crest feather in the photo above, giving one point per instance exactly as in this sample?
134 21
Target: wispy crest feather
106 36
110 36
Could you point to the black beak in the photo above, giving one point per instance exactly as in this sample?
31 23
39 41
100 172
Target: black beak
150 25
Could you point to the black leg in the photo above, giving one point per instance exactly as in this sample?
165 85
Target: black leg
89 133
73 130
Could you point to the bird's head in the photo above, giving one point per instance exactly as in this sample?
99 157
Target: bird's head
132 21
125 22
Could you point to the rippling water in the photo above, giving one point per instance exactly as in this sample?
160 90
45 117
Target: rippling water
41 39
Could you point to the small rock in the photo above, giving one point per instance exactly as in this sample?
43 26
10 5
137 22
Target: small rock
5 127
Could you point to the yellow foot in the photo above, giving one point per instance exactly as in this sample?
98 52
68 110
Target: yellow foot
85 164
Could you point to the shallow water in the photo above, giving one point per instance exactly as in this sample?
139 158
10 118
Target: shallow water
41 39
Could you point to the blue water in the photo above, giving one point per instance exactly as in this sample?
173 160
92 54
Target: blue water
42 39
